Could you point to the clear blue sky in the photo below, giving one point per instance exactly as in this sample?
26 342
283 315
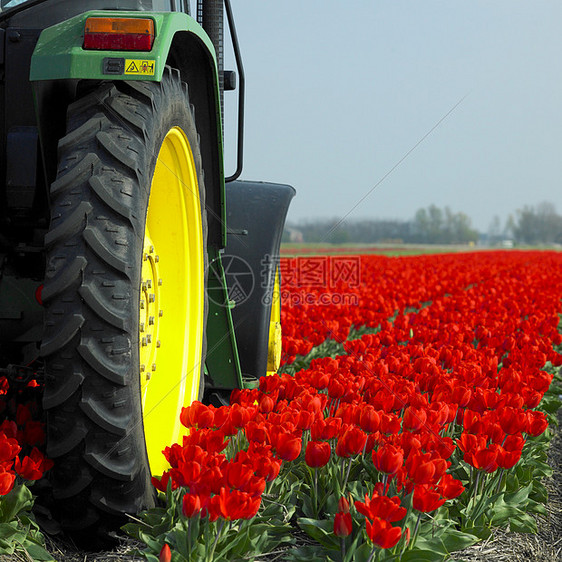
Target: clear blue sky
339 91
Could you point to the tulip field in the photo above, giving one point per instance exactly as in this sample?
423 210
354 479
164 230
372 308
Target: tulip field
411 417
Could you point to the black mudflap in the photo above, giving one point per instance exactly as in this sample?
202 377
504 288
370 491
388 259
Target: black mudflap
256 214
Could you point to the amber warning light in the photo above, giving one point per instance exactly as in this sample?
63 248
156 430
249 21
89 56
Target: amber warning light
119 34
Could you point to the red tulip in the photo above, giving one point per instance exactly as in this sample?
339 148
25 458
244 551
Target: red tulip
304 419
165 554
449 487
197 415
343 505
238 474
507 459
421 469
485 458
425 499
381 506
369 419
382 533
536 423
266 403
317 453
191 505
234 504
6 481
33 466
388 459
390 424
23 415
239 415
414 418
288 447
342 524
351 442
512 420
9 448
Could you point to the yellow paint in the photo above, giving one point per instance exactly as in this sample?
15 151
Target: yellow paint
172 297
274 344
140 67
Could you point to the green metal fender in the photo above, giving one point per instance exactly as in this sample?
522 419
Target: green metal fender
59 53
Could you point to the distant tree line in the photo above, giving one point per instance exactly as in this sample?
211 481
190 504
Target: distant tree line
530 225
429 226
535 225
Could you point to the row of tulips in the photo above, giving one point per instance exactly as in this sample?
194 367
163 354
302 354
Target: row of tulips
22 463
383 286
410 445
20 437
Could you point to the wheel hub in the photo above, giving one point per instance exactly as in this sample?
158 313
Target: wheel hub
150 310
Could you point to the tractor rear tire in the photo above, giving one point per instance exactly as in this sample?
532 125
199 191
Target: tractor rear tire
125 297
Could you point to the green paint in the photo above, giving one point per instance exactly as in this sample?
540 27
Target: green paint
59 54
222 360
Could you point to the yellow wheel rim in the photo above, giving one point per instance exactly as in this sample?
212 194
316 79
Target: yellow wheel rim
274 344
172 297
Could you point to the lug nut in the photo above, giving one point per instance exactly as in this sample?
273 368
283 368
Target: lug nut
142 368
142 327
151 249
151 297
149 284
142 304
158 344
144 342
159 282
151 321
160 313
149 338
156 259
154 366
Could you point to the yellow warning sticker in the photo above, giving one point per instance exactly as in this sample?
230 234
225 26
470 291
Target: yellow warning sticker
140 67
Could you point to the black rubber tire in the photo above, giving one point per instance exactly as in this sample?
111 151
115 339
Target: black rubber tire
91 295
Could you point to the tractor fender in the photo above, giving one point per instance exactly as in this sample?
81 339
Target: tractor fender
256 213
180 42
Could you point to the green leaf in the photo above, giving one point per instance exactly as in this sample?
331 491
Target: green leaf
153 544
517 498
37 552
480 531
535 507
431 544
456 540
19 499
321 531
550 405
7 530
307 554
502 514
523 523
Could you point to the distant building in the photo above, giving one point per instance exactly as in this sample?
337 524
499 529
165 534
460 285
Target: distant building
295 235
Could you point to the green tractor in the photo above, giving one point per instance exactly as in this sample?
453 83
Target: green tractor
134 276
